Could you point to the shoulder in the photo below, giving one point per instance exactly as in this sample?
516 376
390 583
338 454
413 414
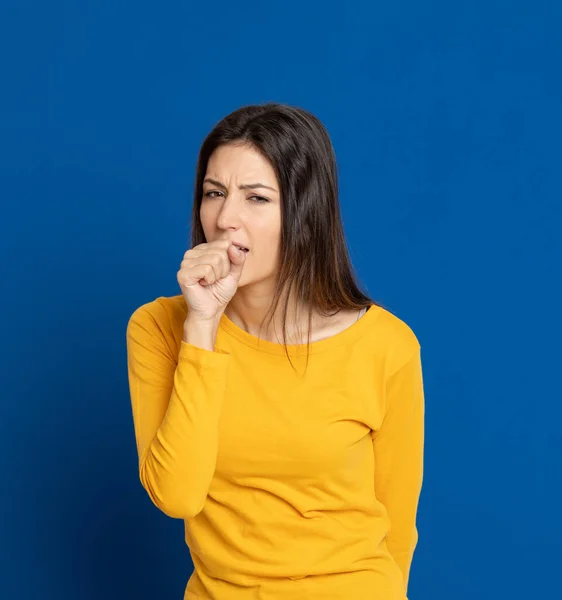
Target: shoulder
161 309
161 318
395 339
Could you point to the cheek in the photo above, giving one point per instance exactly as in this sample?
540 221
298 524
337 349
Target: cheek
205 215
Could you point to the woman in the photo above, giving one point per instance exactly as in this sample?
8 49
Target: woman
297 467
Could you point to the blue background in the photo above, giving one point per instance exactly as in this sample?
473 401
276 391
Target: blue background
446 120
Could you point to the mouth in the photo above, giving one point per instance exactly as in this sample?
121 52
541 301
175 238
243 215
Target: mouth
241 248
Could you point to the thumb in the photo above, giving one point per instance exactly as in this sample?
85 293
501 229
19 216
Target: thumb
237 260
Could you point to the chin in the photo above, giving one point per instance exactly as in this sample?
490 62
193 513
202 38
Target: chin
245 280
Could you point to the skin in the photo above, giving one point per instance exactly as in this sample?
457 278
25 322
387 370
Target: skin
252 217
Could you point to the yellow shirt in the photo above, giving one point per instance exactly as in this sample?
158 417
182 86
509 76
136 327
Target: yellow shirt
290 487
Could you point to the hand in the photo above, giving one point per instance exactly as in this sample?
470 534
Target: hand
209 276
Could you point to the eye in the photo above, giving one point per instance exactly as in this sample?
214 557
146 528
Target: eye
256 199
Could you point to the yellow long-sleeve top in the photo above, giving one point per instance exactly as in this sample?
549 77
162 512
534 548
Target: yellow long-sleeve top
291 487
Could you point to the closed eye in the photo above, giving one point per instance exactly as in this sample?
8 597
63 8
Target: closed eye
256 199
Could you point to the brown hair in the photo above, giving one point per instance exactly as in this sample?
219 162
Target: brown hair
313 258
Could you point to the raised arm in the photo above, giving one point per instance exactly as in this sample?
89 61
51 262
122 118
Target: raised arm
176 403
399 447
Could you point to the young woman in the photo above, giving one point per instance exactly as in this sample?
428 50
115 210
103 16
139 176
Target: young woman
295 460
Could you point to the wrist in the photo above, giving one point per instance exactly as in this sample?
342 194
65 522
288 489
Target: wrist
201 332
202 323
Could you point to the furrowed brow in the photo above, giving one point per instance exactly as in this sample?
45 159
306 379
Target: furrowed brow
246 186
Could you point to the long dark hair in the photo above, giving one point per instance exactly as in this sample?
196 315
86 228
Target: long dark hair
314 264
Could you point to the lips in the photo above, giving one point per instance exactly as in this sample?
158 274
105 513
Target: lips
241 248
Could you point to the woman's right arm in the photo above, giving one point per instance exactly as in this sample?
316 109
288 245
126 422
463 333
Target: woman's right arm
176 404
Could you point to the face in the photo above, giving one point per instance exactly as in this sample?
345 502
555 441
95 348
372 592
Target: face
242 203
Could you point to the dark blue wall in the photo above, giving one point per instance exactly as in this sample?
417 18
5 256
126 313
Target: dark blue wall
446 119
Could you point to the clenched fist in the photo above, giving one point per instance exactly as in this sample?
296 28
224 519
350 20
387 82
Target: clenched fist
209 276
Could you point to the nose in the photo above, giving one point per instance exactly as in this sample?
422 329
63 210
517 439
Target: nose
230 213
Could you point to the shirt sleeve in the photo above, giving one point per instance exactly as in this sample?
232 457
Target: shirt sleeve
176 405
399 447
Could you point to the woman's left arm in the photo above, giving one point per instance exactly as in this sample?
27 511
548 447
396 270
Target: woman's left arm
399 448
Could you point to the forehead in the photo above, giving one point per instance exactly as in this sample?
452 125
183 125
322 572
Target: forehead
239 161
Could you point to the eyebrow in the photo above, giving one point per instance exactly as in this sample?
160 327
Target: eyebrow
246 186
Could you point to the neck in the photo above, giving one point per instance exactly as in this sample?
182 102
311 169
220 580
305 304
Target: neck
248 311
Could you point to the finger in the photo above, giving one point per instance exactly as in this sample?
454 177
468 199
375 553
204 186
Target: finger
216 261
206 246
237 261
191 275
